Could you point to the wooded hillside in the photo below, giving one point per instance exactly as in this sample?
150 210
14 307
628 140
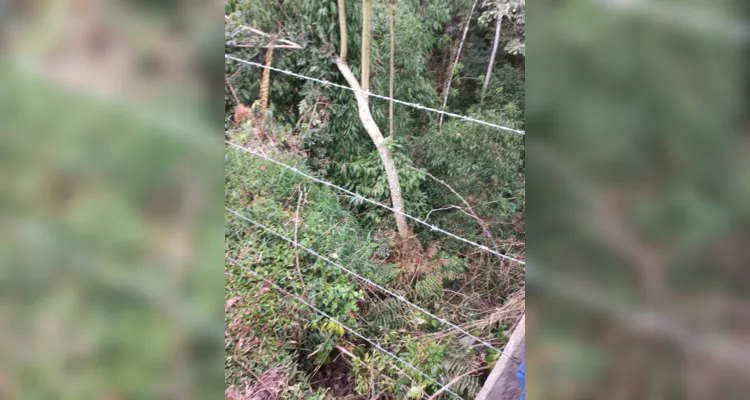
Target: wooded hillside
464 177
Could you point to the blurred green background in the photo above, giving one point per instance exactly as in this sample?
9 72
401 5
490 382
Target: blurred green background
638 200
111 165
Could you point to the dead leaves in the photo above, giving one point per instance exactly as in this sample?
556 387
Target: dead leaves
231 302
268 386
242 114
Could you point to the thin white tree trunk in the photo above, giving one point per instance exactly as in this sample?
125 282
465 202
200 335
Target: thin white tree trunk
393 68
383 151
342 30
366 28
447 87
498 26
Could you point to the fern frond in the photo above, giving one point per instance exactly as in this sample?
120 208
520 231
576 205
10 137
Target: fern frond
387 315
429 288
458 361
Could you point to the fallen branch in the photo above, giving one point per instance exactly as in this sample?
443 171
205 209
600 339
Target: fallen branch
343 350
285 43
458 378
267 46
234 94
451 207
296 226
469 210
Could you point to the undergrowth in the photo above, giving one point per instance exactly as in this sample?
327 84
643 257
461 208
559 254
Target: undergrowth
267 331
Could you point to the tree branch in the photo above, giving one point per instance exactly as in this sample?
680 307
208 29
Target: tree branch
458 378
469 210
296 226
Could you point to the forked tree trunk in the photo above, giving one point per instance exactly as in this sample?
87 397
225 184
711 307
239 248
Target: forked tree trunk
366 27
393 69
372 129
447 87
383 151
498 26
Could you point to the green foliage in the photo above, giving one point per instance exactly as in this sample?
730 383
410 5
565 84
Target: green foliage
459 361
415 392
386 315
384 273
273 319
429 355
486 166
321 127
366 176
430 288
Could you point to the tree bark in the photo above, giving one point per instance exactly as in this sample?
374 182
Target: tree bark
265 84
494 53
366 28
383 151
447 87
393 53
342 31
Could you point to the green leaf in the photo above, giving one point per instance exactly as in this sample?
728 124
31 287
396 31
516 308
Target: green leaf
415 392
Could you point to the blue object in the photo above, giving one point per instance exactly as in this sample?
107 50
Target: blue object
521 376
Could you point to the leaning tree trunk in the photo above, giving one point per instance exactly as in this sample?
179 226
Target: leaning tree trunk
498 26
372 129
366 28
383 151
447 87
393 53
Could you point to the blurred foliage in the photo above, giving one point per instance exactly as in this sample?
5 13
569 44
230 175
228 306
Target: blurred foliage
110 244
101 288
638 219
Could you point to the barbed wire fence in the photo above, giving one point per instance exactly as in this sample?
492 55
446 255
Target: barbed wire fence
431 227
369 282
370 94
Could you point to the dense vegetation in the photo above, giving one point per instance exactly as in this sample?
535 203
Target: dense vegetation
464 177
